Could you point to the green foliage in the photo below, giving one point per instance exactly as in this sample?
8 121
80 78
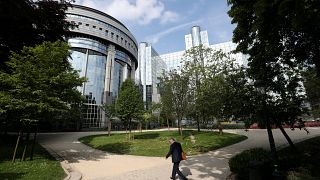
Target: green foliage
176 85
110 110
240 163
166 99
230 126
41 84
218 86
156 143
312 85
271 33
36 22
286 28
129 104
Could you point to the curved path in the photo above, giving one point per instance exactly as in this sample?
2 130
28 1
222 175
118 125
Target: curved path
97 165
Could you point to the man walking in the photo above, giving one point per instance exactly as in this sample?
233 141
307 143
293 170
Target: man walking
176 154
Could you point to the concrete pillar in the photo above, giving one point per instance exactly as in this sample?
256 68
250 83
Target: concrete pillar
107 97
111 52
133 71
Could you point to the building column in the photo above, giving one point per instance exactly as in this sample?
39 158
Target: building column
107 96
108 84
133 71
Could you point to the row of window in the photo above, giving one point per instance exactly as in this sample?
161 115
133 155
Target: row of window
107 26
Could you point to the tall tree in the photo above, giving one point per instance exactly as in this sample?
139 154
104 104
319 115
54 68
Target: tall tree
36 22
129 104
42 84
196 58
179 94
272 34
291 26
312 86
166 102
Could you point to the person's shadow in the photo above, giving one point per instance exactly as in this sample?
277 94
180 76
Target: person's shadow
186 172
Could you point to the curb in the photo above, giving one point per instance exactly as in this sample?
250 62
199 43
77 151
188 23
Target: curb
71 173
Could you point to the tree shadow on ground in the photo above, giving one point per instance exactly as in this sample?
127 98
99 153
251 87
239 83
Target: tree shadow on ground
213 165
118 148
147 136
11 175
63 147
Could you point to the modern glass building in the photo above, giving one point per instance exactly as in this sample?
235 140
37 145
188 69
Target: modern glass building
106 53
175 60
196 38
150 69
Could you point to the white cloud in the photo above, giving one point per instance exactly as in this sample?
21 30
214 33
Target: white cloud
156 37
169 16
140 11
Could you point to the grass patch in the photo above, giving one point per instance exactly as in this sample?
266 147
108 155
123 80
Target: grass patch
303 163
44 166
156 143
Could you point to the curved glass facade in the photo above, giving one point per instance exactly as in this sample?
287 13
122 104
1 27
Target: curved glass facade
104 52
117 78
92 65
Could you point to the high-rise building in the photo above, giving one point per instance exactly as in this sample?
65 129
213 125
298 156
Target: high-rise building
106 53
196 38
150 69
175 60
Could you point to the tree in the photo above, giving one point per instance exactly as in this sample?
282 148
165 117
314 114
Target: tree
312 86
129 104
36 22
110 113
41 84
178 87
217 85
166 101
291 26
194 68
146 118
278 36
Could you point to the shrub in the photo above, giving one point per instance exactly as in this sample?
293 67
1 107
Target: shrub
230 126
239 164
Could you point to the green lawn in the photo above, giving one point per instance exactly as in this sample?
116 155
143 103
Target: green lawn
43 166
303 164
156 143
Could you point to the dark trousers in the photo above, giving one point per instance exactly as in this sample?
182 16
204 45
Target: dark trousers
176 170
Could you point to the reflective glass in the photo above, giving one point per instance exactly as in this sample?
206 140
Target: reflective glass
117 78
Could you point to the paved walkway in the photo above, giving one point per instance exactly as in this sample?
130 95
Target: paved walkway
97 165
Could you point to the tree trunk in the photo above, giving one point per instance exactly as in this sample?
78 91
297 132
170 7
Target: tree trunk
220 127
179 126
109 127
140 126
130 129
198 123
16 148
26 144
146 125
271 140
287 137
168 124
33 143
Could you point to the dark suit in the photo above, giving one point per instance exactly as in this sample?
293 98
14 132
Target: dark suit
176 152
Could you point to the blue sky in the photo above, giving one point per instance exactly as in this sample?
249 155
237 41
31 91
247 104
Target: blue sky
163 23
